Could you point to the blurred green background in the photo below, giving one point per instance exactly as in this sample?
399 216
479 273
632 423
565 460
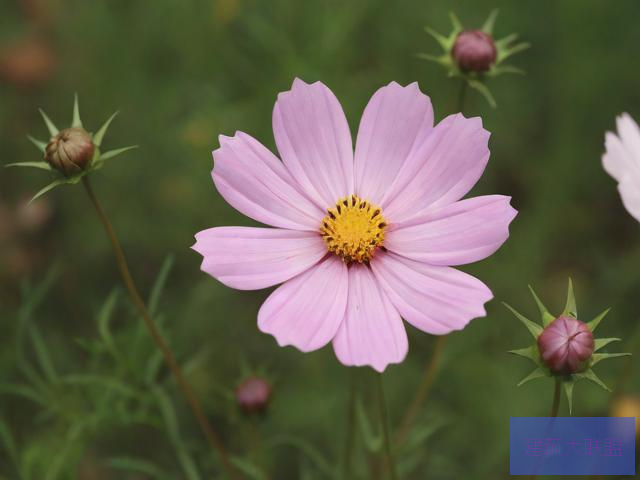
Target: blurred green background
83 394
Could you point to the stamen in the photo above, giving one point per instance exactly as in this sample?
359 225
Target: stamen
353 229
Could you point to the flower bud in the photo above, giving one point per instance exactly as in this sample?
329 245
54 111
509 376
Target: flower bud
253 394
565 344
70 151
474 51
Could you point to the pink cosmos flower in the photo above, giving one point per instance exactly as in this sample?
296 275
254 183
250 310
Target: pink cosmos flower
364 239
622 161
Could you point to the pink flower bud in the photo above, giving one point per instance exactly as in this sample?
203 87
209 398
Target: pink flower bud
565 344
474 51
253 394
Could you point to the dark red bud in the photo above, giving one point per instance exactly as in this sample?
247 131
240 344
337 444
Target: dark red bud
565 344
70 151
474 51
253 394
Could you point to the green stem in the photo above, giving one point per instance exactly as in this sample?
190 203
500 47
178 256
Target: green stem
384 422
160 342
422 393
351 418
556 399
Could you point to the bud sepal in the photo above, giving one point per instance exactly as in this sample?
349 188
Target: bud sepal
564 346
72 152
474 55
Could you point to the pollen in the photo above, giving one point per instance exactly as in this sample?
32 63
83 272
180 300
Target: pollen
353 229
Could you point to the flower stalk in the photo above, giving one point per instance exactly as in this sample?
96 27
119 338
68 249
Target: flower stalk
384 422
169 357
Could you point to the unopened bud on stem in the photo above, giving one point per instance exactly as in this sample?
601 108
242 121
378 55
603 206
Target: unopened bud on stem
565 345
70 151
474 51
253 394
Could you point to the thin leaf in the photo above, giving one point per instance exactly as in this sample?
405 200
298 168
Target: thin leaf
530 352
76 121
441 39
591 376
520 47
136 465
105 382
490 22
40 165
547 318
99 136
310 451
537 373
372 441
248 468
23 391
502 69
598 357
53 130
116 152
6 438
602 342
593 324
484 91
46 189
455 21
505 41
568 390
441 60
42 354
159 284
104 319
570 307
533 328
42 146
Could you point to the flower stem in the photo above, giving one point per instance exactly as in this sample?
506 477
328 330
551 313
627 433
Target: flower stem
384 422
462 95
351 418
160 342
429 376
556 399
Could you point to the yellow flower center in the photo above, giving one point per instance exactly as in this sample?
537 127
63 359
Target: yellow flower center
353 229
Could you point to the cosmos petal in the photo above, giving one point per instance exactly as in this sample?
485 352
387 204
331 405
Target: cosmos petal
314 141
307 310
252 258
434 299
396 121
372 332
256 183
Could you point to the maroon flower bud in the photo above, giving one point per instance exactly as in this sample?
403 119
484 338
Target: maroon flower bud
253 394
565 344
70 151
474 51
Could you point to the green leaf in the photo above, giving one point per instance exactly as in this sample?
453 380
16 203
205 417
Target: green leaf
159 284
99 136
602 342
533 328
23 391
308 449
537 373
455 21
483 90
504 42
444 60
441 39
136 465
49 187
512 51
6 438
39 165
547 318
570 307
568 390
502 69
591 376
598 357
372 440
593 324
108 383
248 468
116 152
490 22
76 122
53 130
531 352
42 146
42 354
104 319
